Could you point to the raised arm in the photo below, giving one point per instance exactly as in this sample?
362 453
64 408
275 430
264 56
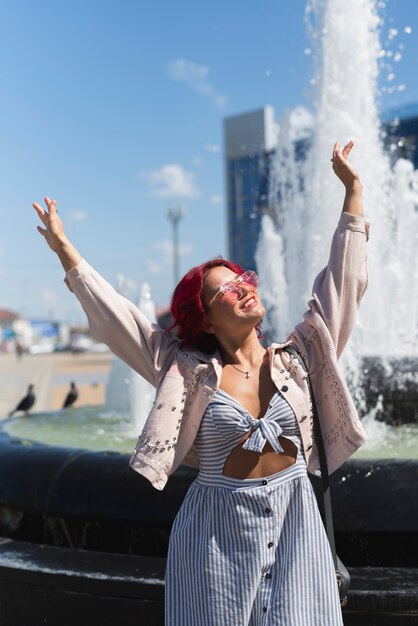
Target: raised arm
349 177
339 287
113 319
53 233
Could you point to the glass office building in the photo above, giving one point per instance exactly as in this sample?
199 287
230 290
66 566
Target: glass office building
401 132
250 141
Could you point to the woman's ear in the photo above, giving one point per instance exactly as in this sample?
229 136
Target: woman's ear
208 327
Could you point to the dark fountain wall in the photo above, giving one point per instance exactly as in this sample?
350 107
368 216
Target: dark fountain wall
85 538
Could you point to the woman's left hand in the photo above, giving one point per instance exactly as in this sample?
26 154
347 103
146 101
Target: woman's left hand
343 169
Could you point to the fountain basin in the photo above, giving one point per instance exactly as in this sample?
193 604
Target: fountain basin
82 531
89 500
47 585
64 586
390 388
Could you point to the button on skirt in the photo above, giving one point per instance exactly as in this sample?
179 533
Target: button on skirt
251 553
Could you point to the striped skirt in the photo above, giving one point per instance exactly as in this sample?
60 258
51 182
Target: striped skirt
251 553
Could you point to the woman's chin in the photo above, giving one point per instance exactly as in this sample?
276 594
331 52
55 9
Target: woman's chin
260 310
256 313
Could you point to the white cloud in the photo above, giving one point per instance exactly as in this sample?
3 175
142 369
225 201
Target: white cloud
164 264
50 301
189 72
213 147
125 286
166 247
217 199
78 216
48 296
196 76
153 267
220 100
172 181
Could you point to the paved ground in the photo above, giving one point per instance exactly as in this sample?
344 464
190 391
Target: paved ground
51 374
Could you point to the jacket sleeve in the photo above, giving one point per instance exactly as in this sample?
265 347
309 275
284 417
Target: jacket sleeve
117 322
337 290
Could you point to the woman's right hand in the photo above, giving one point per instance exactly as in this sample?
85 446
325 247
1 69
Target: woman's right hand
54 234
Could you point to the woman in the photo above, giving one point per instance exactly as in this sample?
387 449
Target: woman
248 546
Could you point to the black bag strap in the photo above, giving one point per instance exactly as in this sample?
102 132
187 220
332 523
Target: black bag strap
326 488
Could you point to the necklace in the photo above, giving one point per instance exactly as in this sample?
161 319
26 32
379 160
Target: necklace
248 372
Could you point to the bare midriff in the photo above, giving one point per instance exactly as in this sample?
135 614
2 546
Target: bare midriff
242 463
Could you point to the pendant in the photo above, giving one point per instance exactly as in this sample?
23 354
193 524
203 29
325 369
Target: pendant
247 375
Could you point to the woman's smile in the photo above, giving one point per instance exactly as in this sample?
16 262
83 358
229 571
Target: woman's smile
250 302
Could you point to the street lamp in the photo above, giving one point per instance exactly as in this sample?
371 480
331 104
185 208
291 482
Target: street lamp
175 214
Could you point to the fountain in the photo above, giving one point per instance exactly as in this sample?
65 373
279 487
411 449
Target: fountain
127 393
83 534
305 199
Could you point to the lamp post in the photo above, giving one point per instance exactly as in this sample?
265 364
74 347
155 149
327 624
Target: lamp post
175 214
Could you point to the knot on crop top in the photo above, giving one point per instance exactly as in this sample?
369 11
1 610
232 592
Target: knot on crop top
265 429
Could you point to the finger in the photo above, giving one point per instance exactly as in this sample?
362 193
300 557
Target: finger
38 208
51 204
347 149
41 213
336 155
41 230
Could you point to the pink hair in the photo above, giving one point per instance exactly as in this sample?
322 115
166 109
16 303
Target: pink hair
187 308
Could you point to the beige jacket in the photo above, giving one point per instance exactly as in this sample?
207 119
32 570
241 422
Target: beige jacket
186 380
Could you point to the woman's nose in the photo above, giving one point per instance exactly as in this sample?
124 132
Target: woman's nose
244 290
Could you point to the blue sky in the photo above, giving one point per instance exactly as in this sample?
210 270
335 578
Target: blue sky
115 109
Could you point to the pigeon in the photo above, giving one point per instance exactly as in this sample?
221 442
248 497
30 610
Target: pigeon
26 403
72 396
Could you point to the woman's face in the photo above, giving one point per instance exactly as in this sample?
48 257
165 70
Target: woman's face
236 307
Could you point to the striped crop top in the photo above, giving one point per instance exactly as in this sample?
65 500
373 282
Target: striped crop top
226 421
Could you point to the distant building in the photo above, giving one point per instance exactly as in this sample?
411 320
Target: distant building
401 132
8 320
249 147
249 140
32 335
